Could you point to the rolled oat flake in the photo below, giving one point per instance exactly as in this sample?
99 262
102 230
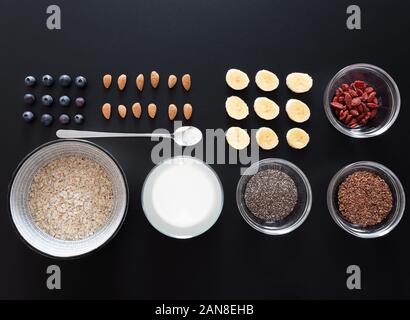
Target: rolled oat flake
271 195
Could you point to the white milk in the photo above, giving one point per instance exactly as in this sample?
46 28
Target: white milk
182 197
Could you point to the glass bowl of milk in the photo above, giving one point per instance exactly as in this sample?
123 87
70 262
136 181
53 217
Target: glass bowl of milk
182 197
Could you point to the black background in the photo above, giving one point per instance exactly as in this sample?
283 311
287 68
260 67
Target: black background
205 38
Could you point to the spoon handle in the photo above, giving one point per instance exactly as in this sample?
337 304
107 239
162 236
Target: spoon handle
80 134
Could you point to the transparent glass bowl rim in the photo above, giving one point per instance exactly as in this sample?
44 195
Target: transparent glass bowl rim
398 190
391 84
306 185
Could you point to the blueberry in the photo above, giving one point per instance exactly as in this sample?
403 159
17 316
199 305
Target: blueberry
46 119
80 82
79 102
47 100
64 80
64 101
28 116
29 98
48 80
78 118
30 81
64 119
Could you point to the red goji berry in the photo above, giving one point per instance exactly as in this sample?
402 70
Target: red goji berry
356 102
338 105
353 93
359 84
371 97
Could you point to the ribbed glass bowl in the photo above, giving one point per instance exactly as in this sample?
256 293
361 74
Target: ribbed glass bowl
390 222
20 188
387 93
301 210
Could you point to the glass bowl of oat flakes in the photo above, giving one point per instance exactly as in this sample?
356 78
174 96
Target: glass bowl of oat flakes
67 198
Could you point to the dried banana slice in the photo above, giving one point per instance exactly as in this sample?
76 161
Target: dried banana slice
266 108
237 138
297 138
299 82
266 80
266 138
297 110
237 79
236 108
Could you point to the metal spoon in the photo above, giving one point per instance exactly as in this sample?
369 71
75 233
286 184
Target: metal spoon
184 136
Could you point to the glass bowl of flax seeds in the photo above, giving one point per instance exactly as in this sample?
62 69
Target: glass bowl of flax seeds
366 199
274 196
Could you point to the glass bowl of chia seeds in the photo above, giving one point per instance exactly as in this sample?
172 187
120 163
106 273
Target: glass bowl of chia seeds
366 199
274 196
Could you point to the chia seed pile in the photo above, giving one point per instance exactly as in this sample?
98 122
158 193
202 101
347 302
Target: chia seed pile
365 199
71 198
271 195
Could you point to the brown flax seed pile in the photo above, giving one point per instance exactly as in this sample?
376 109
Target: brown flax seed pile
364 198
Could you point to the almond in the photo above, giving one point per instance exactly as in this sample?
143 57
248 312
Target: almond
172 81
187 111
186 82
139 82
136 110
122 111
106 111
154 79
172 111
107 79
152 110
122 81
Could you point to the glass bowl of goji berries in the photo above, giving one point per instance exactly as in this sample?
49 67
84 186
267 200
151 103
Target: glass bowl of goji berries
362 101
